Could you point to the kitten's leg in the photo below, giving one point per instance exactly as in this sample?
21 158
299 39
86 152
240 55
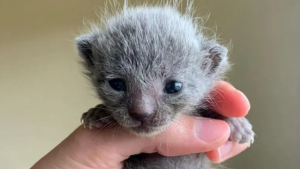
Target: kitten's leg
96 117
241 129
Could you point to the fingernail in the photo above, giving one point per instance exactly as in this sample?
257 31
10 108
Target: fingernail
224 150
209 130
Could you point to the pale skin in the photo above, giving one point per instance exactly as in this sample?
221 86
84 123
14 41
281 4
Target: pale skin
109 147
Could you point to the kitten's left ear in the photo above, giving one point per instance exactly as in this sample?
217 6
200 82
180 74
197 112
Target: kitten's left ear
215 58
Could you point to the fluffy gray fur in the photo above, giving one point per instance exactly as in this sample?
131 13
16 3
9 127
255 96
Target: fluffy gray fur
147 47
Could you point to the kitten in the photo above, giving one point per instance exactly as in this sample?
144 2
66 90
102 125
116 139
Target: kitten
150 64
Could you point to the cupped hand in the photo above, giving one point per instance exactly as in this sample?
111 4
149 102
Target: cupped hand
109 147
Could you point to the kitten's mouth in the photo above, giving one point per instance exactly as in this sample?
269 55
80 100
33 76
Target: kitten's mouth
146 130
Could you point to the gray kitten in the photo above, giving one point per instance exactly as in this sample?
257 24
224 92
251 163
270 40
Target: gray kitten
149 65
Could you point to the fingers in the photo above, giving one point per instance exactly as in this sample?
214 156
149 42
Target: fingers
229 101
186 135
226 151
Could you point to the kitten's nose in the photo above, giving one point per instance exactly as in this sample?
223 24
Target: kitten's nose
142 110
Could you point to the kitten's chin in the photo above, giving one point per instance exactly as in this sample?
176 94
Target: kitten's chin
147 131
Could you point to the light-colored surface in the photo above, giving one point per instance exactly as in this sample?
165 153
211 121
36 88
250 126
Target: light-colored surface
43 93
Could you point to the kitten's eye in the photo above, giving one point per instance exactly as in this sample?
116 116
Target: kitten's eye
173 87
117 84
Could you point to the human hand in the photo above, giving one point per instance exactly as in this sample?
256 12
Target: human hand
109 147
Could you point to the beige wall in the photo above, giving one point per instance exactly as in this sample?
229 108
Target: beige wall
43 93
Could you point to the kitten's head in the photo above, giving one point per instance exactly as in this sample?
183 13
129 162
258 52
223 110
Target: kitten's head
150 64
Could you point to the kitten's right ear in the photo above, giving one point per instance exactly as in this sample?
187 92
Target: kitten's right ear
215 61
84 45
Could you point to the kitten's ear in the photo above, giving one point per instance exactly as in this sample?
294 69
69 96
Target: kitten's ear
84 45
215 58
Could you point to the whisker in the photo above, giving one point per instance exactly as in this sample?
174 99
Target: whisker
114 132
107 125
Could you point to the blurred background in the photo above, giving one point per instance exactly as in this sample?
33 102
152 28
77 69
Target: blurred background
43 92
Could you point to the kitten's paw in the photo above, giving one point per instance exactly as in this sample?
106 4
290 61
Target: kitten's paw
96 117
241 130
